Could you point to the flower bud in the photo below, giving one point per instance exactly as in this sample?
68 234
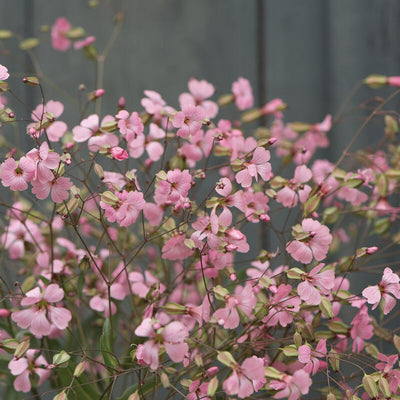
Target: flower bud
79 369
226 99
252 115
370 386
22 348
31 81
375 81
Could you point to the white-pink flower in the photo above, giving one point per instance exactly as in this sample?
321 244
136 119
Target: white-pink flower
387 290
17 175
171 337
189 120
258 165
42 315
59 38
243 94
25 366
246 378
324 281
315 243
3 73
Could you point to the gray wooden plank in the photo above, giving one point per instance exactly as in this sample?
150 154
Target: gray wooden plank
160 46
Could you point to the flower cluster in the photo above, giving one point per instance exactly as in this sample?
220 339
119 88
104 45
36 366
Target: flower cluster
146 263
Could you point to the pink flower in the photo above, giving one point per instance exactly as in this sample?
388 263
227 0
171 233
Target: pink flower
131 125
17 175
57 128
19 233
126 208
198 391
295 189
58 187
311 357
176 249
189 120
27 365
293 386
324 281
59 34
119 153
258 165
282 306
315 244
173 189
386 367
361 329
42 316
45 160
246 378
199 92
243 94
171 337
80 44
89 129
388 289
393 81
3 73
244 299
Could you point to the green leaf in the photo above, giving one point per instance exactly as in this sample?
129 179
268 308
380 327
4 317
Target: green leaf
106 346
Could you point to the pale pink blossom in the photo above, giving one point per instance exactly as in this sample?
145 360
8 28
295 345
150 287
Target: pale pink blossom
59 37
387 290
361 329
130 125
198 391
126 209
282 306
386 365
58 187
244 299
102 302
3 73
258 165
199 92
324 281
293 386
315 245
45 160
189 120
17 175
243 94
57 128
26 366
295 188
42 316
18 234
174 189
246 378
80 44
90 129
311 357
176 249
171 337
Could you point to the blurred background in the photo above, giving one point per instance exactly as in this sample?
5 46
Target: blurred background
309 53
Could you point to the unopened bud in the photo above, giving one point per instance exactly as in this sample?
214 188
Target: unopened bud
370 386
252 115
31 81
376 81
79 369
226 99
